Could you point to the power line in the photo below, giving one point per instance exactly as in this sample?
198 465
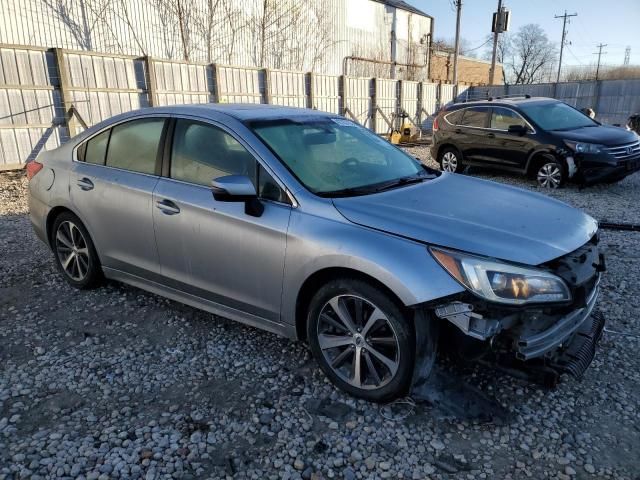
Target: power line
564 36
599 53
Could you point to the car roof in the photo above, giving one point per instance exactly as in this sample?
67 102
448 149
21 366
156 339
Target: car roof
506 101
239 111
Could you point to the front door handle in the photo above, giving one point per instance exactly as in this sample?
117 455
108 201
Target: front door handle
491 135
85 184
168 207
458 130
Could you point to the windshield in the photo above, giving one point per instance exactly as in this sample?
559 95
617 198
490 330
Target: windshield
557 116
334 156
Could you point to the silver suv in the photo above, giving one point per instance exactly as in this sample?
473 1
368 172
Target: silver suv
308 225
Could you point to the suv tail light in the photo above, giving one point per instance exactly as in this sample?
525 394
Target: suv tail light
33 167
435 124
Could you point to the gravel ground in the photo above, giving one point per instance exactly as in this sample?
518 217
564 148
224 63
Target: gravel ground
119 383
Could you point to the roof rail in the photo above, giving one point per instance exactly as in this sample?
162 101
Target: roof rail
518 95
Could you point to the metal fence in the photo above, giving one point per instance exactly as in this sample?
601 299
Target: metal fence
49 95
612 100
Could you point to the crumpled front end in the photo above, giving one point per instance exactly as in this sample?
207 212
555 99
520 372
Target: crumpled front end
560 338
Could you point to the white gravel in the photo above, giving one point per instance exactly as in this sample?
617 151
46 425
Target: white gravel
119 383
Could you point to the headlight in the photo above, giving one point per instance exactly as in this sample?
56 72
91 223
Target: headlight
501 282
580 147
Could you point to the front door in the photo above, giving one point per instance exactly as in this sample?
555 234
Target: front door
111 187
504 148
213 249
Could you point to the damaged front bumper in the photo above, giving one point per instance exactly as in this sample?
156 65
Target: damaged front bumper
559 339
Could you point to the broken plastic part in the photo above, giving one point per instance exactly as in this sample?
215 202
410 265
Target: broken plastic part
463 317
571 166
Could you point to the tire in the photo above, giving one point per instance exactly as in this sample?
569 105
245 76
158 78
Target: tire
384 343
74 252
450 160
550 173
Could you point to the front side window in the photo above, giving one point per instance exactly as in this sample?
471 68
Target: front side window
333 156
134 145
474 117
503 118
556 116
203 152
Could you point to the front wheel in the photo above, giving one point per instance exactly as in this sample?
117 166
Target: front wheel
550 173
361 339
450 160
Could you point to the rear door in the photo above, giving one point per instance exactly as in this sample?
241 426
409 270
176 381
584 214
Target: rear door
214 249
111 187
504 148
471 134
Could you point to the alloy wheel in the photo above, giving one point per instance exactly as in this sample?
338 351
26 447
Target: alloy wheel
358 342
72 251
550 175
449 162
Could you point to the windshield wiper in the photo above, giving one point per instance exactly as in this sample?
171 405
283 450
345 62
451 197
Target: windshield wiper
378 187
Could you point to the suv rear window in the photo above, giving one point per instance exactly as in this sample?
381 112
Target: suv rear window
475 117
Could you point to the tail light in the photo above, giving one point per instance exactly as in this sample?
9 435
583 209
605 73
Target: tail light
33 167
435 124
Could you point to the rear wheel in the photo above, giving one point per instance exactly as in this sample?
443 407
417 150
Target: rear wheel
550 173
74 252
361 340
450 160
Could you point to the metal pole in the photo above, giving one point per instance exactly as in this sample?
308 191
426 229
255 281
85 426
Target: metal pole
455 54
564 35
495 47
600 47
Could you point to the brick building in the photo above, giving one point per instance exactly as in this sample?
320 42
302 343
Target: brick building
471 71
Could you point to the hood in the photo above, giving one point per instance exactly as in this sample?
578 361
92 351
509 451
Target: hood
603 134
476 216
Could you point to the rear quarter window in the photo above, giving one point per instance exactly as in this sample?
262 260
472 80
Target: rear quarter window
454 117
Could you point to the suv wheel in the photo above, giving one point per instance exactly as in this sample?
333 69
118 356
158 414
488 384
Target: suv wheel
74 252
550 173
361 340
450 160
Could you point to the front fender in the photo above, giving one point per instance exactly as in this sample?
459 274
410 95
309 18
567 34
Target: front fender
404 266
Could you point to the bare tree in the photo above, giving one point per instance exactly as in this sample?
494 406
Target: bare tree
447 45
81 17
218 28
530 53
177 15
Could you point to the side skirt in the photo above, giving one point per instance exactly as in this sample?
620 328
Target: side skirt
285 330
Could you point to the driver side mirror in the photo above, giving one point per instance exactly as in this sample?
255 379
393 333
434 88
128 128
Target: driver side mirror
518 129
238 188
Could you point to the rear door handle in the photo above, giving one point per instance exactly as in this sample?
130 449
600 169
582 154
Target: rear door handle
491 135
85 184
168 207
458 130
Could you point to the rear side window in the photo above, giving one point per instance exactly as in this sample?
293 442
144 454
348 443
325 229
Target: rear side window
503 118
475 117
95 149
134 145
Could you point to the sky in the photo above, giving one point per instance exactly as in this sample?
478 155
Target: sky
613 22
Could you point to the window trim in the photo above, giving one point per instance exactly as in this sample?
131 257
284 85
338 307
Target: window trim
165 117
168 148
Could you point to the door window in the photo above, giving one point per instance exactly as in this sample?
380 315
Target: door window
474 117
503 118
134 145
202 153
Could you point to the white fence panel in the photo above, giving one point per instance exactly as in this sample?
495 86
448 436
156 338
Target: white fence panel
409 99
287 88
325 93
387 102
428 98
181 83
357 100
239 84
446 93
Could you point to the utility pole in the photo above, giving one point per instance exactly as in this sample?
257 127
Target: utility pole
495 46
458 4
599 53
564 36
627 55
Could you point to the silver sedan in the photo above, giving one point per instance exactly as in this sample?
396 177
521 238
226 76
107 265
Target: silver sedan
308 225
